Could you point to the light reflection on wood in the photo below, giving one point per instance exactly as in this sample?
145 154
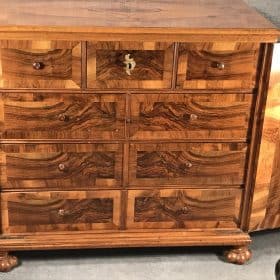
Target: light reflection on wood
266 200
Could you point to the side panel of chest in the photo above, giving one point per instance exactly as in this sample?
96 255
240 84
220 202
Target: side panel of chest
266 200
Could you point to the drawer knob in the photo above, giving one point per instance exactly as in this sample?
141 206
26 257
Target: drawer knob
62 212
38 65
62 167
130 64
191 117
185 209
219 65
63 118
188 164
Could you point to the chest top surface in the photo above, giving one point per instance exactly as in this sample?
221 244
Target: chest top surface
178 14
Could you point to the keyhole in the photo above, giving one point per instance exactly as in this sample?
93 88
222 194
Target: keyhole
129 66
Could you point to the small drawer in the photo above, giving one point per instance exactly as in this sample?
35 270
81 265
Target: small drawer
40 64
190 116
44 166
187 164
183 208
61 116
129 65
60 211
217 65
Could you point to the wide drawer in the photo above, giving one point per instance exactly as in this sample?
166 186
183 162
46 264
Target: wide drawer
129 64
222 65
183 208
40 64
190 116
187 164
60 211
61 116
61 166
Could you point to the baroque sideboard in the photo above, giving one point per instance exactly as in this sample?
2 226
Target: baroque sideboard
132 123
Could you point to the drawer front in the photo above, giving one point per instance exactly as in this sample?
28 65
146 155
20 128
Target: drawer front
190 116
60 211
40 64
129 64
217 65
183 208
60 165
61 116
187 164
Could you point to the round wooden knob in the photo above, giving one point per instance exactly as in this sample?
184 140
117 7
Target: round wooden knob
193 117
61 212
63 117
38 65
190 117
62 167
185 209
219 65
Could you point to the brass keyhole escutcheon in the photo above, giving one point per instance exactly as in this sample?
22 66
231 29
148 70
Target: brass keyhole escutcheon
130 64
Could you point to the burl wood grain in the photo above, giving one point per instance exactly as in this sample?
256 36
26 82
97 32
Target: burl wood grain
266 200
60 211
44 166
61 116
106 68
189 209
181 164
190 116
61 64
197 66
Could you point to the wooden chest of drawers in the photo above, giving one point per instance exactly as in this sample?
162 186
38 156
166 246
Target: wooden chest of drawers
125 124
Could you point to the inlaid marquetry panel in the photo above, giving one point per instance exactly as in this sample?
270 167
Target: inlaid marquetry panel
61 116
218 65
179 208
60 211
60 166
190 116
40 64
129 64
266 200
192 163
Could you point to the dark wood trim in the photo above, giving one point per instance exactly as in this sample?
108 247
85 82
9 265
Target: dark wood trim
84 66
92 141
175 66
131 91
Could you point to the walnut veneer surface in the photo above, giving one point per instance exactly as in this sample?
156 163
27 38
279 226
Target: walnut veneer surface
130 123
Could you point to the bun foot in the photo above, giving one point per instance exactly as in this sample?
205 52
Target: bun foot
238 255
7 262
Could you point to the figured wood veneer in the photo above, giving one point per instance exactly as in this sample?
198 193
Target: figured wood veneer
44 166
198 65
60 211
188 209
106 68
190 116
61 64
131 123
61 116
192 163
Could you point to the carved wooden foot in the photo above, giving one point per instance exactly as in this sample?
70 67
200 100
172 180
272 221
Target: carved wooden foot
7 263
238 255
